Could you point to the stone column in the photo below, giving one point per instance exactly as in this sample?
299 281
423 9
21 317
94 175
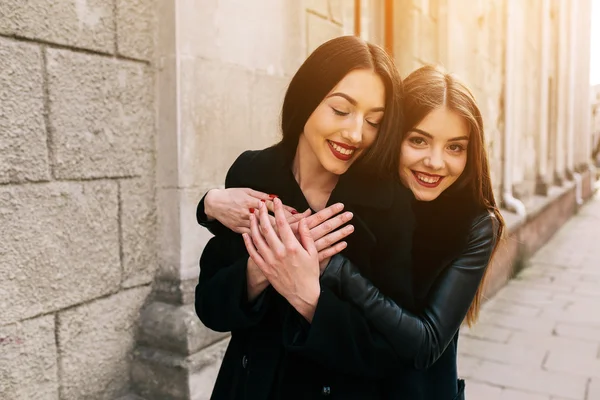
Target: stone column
542 182
572 89
223 67
562 91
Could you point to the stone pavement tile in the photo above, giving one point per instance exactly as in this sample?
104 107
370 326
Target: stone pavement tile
573 364
532 380
507 307
510 394
577 314
539 325
576 331
480 391
516 295
577 347
514 354
466 366
487 332
549 287
593 392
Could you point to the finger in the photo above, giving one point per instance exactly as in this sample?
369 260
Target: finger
324 215
306 239
258 195
332 250
268 232
333 237
259 241
252 252
283 228
330 225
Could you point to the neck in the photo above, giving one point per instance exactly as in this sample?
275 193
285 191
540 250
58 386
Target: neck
314 180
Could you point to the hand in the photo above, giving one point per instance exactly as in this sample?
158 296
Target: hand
232 207
289 264
324 231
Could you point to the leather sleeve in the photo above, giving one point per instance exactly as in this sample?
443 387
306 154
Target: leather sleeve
421 339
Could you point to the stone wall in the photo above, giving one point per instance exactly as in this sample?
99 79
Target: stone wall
77 209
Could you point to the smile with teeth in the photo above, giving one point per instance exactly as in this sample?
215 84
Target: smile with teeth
427 178
340 149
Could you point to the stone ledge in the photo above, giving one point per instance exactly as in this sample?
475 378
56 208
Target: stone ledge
175 328
525 235
159 375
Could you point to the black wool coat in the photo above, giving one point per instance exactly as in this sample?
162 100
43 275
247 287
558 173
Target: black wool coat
274 353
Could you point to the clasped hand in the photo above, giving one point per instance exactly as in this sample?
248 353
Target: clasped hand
288 256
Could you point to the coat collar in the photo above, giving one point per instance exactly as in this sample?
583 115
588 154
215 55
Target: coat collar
274 171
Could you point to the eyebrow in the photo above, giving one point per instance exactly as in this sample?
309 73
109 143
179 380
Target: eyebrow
352 101
430 136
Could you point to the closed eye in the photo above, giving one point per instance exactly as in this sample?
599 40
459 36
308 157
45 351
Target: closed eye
338 112
373 124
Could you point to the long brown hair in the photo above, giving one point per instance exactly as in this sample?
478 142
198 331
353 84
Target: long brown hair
325 68
429 88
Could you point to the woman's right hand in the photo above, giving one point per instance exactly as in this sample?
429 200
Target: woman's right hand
232 207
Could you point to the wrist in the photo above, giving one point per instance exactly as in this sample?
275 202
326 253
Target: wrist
306 305
209 201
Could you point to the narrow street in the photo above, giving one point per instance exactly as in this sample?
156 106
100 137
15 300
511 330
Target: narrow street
539 337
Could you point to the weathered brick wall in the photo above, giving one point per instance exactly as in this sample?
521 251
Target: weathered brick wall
77 210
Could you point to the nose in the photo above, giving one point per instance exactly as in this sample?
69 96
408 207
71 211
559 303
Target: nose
353 134
435 160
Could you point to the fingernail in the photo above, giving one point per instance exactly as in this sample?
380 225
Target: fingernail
294 212
251 210
263 200
272 196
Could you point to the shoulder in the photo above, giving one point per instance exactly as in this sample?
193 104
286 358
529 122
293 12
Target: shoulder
484 229
252 163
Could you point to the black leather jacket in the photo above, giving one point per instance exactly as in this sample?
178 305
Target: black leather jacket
421 339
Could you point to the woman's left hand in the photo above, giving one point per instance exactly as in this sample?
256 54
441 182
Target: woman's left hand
290 265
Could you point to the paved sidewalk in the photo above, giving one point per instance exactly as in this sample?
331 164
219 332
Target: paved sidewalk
539 337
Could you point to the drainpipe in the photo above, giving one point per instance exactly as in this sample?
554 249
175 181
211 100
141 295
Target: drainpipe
510 202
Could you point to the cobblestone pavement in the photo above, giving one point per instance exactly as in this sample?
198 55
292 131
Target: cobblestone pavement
539 337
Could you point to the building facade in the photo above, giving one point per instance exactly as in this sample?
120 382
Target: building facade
117 116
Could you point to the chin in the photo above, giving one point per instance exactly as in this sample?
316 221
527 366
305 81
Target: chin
426 196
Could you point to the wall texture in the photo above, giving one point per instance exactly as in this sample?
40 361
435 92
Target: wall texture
77 190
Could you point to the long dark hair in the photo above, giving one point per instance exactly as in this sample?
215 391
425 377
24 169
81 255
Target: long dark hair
319 74
429 88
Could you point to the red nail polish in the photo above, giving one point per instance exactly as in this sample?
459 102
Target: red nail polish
263 200
294 212
251 210
272 196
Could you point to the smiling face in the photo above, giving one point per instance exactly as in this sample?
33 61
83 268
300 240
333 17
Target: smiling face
434 153
345 123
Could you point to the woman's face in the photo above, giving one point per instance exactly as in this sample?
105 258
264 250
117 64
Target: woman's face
346 122
434 153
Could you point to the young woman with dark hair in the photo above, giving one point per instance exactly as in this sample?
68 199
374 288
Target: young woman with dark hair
341 106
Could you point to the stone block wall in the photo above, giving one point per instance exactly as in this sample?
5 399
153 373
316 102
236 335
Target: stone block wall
77 202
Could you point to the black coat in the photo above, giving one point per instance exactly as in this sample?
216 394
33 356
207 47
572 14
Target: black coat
453 244
274 353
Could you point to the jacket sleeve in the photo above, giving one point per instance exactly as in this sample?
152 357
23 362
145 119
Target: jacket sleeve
213 226
221 294
421 339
